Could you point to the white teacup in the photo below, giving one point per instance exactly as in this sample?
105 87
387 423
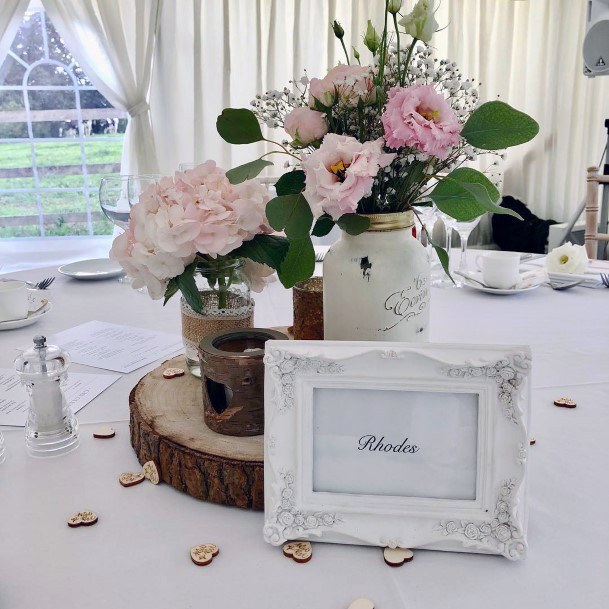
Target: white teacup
13 300
499 269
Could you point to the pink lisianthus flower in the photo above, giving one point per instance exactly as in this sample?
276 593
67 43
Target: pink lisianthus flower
345 84
305 125
420 118
341 172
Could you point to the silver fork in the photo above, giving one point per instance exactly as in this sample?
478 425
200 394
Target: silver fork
563 284
319 256
41 285
605 279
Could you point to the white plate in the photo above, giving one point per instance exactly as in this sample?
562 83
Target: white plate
91 270
39 307
475 286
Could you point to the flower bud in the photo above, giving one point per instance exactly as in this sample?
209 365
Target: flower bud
339 32
394 6
371 39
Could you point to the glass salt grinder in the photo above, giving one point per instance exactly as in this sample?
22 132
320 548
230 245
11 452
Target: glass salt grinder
51 428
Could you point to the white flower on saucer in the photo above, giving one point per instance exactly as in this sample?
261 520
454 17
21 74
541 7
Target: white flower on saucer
567 258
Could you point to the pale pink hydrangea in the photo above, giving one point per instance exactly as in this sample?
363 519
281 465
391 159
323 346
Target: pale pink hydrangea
305 125
350 83
198 211
341 172
258 275
420 118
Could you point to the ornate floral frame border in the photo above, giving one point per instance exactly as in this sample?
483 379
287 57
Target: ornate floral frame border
495 522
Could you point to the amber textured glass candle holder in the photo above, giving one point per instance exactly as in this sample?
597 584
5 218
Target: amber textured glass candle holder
308 298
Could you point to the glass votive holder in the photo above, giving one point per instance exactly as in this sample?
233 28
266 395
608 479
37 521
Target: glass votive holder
308 298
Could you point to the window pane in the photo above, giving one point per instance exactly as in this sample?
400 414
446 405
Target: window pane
15 155
28 43
49 100
18 177
50 154
65 176
12 130
18 214
105 151
49 74
11 72
93 99
12 115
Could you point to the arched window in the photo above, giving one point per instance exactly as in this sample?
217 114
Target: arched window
58 136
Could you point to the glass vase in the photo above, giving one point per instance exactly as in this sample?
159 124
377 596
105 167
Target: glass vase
225 301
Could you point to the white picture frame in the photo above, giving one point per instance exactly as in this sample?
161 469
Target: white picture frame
321 485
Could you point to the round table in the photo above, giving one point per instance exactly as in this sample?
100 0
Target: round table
138 553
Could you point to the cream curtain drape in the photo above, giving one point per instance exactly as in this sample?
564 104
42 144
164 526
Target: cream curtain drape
217 53
114 42
11 14
530 55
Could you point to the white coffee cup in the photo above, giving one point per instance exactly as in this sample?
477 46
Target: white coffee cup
13 300
499 269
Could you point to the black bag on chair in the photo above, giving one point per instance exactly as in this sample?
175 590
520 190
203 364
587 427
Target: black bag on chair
527 235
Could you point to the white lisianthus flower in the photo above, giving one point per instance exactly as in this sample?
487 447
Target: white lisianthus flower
421 23
567 258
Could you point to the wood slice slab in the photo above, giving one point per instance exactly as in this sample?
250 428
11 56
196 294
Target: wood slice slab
167 427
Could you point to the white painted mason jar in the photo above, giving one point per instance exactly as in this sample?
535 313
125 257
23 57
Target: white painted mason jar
376 285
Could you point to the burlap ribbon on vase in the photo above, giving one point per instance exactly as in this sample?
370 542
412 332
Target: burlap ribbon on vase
237 314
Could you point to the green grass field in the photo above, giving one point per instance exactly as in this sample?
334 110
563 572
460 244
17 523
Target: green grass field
55 154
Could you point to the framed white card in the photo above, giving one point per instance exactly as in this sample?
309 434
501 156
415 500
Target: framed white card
398 445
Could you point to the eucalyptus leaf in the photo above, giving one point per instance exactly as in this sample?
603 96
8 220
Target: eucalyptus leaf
238 126
290 213
188 287
353 224
265 249
322 226
291 183
465 194
246 171
299 263
444 260
496 125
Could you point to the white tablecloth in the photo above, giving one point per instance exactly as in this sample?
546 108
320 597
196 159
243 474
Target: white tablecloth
138 554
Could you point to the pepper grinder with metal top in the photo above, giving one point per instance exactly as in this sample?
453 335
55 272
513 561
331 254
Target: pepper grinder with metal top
51 428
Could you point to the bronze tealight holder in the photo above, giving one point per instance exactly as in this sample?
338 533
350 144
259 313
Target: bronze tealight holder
308 299
232 376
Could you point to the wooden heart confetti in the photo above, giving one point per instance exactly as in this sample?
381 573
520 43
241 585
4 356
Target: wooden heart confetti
171 373
86 518
362 603
104 433
565 403
300 551
131 478
151 472
203 554
396 557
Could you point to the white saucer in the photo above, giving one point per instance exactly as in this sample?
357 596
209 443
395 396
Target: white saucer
92 270
527 287
39 307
